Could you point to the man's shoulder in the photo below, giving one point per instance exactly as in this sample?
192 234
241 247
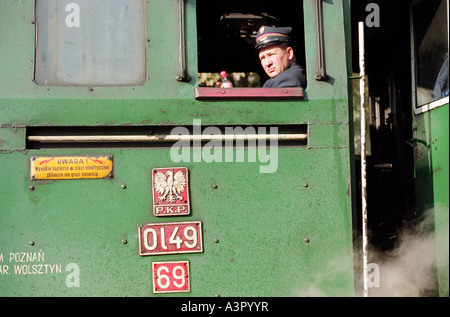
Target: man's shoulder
294 69
294 76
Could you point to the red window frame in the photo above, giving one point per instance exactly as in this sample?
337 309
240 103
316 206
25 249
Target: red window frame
205 93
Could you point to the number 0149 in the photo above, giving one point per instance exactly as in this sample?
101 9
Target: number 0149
170 238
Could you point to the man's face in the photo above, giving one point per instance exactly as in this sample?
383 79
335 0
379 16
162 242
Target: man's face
275 59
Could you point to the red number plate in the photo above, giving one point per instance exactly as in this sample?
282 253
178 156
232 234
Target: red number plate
170 238
171 277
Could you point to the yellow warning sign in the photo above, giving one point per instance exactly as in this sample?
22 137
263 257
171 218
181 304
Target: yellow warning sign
70 167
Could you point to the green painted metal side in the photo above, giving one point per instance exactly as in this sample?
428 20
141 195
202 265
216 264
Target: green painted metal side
287 233
431 169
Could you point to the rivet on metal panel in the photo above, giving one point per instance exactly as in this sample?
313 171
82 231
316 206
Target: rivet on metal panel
305 184
214 186
217 294
31 187
216 240
31 242
306 240
124 241
124 186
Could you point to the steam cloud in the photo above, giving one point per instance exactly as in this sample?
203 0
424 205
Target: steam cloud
407 270
410 268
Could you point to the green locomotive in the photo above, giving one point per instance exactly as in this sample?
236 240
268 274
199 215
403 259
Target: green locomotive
124 172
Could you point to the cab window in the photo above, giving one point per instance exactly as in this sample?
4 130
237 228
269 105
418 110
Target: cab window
430 27
90 43
226 38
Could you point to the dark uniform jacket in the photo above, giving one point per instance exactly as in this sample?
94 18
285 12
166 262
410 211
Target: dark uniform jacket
294 76
441 86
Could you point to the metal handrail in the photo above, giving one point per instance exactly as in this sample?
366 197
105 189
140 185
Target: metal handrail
163 138
183 75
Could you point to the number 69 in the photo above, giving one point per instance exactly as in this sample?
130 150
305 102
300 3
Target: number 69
171 277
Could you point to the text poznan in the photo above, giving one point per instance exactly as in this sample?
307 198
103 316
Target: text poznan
21 257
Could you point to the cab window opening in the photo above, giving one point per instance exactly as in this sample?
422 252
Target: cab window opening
430 50
227 38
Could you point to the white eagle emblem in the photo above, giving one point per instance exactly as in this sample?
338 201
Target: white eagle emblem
170 186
